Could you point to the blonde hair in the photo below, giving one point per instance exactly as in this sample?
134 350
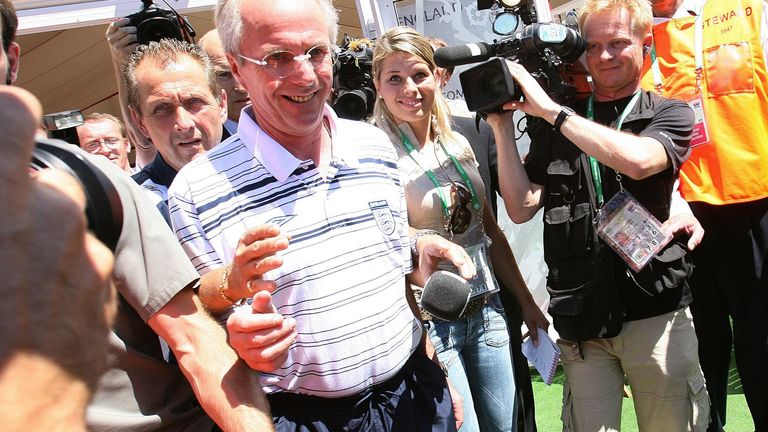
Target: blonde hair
639 10
406 40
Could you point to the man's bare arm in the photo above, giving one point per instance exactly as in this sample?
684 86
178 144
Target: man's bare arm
122 41
226 387
637 157
522 198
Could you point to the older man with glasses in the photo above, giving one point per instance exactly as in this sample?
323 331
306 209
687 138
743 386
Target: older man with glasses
304 214
105 135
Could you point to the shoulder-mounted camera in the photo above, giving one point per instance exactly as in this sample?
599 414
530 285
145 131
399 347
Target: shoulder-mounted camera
153 23
549 51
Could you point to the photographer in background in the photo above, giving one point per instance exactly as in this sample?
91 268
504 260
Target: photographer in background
122 41
237 97
105 135
615 322
126 34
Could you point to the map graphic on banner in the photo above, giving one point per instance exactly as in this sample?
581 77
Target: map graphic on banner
460 22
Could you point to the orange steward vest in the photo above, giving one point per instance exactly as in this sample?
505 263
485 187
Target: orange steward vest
732 167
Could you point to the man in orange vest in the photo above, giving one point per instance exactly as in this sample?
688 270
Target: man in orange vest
713 56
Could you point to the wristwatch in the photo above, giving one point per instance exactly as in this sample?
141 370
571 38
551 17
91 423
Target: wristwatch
565 112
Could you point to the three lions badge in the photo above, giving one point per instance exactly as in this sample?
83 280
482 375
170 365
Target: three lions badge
383 216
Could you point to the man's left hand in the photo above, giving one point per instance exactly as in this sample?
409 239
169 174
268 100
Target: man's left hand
685 224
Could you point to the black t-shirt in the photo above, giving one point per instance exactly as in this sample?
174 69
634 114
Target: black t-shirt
668 121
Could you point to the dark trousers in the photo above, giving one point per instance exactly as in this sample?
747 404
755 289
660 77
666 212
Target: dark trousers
415 399
730 281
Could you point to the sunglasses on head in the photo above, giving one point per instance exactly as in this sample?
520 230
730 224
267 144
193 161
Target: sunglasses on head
461 215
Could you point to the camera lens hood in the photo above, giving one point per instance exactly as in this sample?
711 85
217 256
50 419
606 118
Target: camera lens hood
103 207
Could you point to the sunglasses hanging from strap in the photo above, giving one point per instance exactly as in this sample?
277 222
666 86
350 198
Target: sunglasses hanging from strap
456 219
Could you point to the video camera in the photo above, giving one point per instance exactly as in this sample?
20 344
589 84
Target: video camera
549 51
153 23
354 93
103 209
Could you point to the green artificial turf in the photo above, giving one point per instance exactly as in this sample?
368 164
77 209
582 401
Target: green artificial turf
549 405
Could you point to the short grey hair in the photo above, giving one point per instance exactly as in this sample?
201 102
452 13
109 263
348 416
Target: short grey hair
97 117
163 54
229 22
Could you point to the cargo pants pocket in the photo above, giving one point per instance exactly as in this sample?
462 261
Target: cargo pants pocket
697 391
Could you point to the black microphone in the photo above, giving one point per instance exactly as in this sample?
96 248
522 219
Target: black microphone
463 54
445 295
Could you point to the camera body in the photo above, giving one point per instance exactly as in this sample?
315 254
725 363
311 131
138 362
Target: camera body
153 23
549 51
354 92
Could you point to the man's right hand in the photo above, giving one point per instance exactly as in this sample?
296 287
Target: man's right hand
122 41
260 335
536 102
256 254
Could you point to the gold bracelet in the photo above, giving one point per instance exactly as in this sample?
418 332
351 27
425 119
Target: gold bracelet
223 286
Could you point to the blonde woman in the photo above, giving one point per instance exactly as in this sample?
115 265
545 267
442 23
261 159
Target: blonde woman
445 196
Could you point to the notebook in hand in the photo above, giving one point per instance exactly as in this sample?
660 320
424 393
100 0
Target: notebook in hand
543 357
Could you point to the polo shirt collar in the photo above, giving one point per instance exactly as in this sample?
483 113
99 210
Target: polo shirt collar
162 172
279 161
231 126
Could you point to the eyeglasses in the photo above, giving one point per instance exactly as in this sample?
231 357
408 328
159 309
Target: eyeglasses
92 146
461 215
283 63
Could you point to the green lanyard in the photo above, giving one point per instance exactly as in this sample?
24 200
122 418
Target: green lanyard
413 153
593 163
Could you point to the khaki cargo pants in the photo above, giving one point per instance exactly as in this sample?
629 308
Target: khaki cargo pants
659 357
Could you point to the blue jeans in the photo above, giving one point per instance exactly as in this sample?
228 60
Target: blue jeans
476 354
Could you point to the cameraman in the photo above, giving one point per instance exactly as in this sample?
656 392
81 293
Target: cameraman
615 322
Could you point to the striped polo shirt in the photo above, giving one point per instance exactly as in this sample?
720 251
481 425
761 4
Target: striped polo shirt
343 272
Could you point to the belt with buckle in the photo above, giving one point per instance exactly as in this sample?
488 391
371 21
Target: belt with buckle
473 306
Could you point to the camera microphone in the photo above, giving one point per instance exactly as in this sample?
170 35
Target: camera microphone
445 295
463 54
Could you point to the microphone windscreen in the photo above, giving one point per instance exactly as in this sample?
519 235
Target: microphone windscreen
445 295
463 54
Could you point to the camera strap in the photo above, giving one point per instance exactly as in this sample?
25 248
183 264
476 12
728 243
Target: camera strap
415 157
